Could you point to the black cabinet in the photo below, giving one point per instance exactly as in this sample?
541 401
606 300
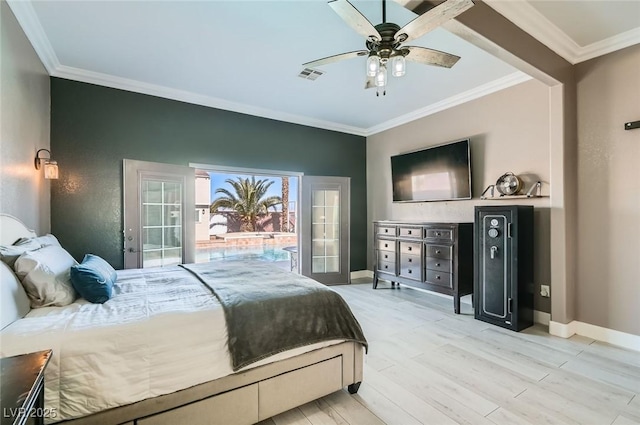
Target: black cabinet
503 266
433 256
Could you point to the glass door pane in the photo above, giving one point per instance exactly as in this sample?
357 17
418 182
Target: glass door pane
325 232
161 223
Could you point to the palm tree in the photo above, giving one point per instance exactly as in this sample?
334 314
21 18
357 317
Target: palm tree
285 204
248 200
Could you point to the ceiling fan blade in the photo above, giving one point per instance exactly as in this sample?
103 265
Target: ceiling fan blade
432 19
355 19
431 57
335 58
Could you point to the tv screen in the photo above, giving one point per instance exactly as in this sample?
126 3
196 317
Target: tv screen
440 173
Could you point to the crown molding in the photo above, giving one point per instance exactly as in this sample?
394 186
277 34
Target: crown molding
528 18
28 20
475 93
608 45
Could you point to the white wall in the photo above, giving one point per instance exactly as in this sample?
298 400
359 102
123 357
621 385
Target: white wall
509 131
24 126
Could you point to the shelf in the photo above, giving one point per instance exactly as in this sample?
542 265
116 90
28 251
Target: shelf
533 192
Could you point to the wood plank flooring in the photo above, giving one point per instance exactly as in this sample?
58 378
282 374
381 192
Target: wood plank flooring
427 365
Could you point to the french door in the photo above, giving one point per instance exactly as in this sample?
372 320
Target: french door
159 216
324 229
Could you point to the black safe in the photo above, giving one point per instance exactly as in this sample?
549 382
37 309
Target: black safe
503 266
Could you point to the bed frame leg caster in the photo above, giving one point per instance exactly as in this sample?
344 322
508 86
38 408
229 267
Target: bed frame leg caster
353 388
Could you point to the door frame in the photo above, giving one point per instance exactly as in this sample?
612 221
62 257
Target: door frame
132 238
305 257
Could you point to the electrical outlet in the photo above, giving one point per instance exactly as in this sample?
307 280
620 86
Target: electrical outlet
544 291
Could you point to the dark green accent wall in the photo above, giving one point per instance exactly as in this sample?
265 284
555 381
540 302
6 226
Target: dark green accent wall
94 128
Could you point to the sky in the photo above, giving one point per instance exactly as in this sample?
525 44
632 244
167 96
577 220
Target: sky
218 180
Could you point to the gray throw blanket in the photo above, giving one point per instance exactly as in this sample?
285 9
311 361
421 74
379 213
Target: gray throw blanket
269 310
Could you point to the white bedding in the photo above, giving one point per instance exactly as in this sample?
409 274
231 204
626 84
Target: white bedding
112 354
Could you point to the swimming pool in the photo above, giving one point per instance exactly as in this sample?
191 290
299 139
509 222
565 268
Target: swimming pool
270 253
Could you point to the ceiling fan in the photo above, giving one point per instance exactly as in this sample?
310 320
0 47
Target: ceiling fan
384 41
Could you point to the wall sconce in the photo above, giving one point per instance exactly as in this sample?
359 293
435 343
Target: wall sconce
50 166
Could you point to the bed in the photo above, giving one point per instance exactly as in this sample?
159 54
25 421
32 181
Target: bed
161 352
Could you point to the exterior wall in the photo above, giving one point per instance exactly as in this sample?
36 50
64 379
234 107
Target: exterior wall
203 200
608 290
94 128
24 127
509 131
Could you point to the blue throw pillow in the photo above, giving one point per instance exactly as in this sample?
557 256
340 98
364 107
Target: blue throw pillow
93 279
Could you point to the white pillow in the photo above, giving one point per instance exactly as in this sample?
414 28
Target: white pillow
45 276
13 299
10 253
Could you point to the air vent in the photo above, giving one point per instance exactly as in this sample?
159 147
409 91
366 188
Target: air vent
310 74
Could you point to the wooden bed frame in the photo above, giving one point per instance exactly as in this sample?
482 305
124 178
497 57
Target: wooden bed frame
245 397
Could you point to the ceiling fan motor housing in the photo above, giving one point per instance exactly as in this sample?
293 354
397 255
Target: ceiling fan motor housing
388 46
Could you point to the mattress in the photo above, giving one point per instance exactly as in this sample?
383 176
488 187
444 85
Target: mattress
161 332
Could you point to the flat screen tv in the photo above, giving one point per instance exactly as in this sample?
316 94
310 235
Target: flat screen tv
439 173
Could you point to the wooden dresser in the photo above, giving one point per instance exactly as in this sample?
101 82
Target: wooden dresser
433 256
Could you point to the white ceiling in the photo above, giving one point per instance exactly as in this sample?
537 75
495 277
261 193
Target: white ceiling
245 56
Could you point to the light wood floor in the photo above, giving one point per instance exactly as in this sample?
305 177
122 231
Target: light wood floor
427 365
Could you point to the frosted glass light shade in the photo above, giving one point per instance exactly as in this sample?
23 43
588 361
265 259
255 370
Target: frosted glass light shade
50 170
398 66
373 65
381 77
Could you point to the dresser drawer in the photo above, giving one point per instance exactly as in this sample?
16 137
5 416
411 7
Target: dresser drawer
412 248
386 256
413 271
387 267
439 278
438 264
445 234
439 251
387 245
407 260
410 232
386 230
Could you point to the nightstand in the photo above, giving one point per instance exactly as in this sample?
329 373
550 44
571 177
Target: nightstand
22 391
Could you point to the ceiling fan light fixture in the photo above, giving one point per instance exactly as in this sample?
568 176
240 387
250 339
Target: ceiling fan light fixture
381 77
398 66
373 65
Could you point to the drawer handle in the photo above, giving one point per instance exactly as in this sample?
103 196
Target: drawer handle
409 232
438 277
437 264
386 230
409 271
386 267
437 251
437 233
409 249
410 260
385 245
386 256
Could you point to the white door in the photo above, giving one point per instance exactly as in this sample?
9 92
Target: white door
324 229
159 214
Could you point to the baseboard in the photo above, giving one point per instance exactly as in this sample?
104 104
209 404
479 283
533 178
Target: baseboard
541 317
611 336
359 274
